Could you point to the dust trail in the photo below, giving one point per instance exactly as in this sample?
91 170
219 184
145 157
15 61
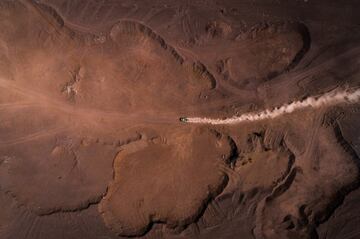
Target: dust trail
331 98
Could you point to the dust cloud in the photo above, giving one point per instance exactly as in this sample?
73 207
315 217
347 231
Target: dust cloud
328 99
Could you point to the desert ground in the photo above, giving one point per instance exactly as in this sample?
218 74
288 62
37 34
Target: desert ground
91 146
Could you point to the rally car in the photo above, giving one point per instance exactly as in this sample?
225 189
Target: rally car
183 119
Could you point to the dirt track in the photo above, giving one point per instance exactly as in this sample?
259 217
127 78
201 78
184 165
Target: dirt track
90 140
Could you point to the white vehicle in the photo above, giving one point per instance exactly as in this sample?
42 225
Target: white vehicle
183 119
